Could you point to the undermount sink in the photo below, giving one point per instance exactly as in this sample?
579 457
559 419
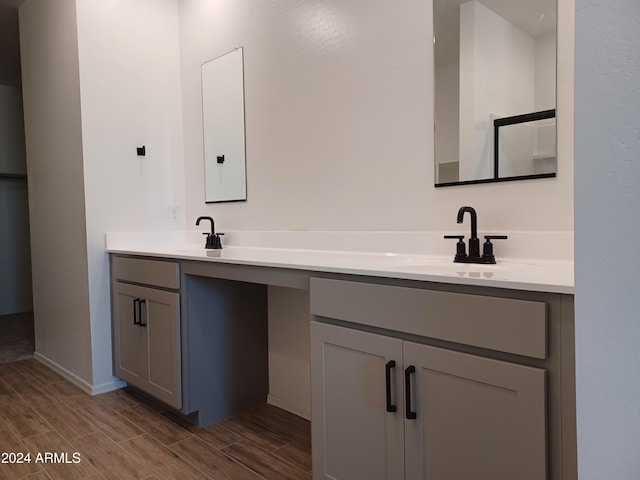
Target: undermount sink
446 266
467 267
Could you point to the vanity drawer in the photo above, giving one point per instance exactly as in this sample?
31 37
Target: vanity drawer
502 324
149 272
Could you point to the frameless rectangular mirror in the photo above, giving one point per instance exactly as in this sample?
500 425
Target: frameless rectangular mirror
223 124
495 85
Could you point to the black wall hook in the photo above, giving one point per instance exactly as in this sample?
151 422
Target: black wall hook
142 151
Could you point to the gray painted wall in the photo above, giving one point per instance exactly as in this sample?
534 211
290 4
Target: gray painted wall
15 255
607 230
12 150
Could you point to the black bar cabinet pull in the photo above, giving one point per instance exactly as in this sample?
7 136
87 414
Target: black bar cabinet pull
142 300
411 415
390 364
136 309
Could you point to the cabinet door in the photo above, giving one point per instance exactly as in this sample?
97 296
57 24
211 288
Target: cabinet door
161 313
129 338
476 418
354 436
147 340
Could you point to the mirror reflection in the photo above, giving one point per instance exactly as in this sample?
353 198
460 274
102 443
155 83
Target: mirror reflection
223 128
495 84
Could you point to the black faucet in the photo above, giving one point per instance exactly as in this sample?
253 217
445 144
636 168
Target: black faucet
474 243
213 238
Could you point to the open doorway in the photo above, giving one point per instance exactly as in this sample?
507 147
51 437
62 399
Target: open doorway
16 300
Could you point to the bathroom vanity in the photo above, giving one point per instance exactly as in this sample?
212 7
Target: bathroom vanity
478 382
416 371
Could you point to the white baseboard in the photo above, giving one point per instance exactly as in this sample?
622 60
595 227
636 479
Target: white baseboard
77 381
108 387
291 407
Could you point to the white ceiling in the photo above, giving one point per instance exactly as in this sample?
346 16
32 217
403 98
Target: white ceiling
536 17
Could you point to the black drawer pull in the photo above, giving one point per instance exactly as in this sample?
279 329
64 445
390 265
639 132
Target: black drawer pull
411 415
136 309
142 301
390 364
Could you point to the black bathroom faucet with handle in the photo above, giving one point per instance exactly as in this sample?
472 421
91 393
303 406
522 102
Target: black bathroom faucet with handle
474 256
213 238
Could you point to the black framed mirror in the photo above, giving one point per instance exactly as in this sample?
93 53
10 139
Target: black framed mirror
495 61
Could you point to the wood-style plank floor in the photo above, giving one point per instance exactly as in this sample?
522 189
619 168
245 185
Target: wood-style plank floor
122 435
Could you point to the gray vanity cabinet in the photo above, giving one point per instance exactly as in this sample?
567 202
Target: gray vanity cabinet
146 327
429 381
193 340
353 434
467 416
129 338
475 417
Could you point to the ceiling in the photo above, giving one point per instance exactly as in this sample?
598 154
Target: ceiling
536 17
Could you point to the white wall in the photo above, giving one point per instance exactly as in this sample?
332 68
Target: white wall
100 79
497 77
447 113
537 205
545 84
289 347
339 124
337 98
546 137
339 121
517 144
130 94
53 133
607 192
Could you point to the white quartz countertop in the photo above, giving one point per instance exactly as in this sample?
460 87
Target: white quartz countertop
542 275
